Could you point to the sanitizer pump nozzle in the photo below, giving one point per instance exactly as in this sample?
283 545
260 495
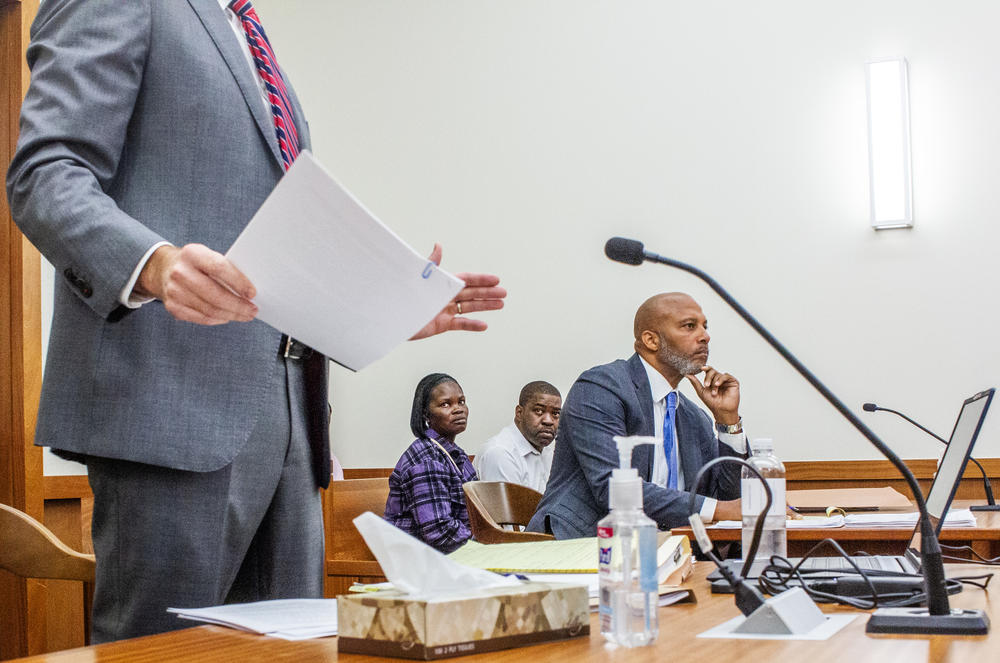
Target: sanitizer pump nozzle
625 488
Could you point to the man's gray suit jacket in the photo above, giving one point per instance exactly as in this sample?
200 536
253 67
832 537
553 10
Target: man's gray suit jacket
147 126
615 399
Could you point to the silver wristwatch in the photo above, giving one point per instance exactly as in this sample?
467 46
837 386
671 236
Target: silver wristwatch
732 429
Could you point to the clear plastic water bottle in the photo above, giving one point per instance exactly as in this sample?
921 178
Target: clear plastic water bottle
626 539
773 539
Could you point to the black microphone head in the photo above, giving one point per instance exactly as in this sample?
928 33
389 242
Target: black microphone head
628 251
869 407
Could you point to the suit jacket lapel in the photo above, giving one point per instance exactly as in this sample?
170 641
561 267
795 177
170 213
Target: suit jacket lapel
642 456
214 20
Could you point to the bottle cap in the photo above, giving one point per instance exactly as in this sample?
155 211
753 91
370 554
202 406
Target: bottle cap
625 489
762 444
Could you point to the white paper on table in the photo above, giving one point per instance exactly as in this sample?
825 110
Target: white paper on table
331 275
954 518
414 567
298 618
805 522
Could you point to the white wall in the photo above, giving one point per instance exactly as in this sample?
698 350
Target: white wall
522 134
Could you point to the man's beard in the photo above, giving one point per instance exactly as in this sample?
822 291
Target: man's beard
682 364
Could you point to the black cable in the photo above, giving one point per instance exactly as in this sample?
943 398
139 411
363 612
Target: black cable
748 556
979 558
748 598
790 570
965 560
778 576
971 580
776 579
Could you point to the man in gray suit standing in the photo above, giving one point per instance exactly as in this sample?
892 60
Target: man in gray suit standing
639 396
151 133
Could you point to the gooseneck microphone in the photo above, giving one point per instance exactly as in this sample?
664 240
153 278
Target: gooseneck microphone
991 504
938 618
871 407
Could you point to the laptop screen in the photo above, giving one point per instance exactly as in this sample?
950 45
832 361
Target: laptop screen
956 455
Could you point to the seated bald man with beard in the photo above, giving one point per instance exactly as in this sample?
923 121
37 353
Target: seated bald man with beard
639 396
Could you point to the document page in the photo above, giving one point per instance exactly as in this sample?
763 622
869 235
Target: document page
331 275
291 619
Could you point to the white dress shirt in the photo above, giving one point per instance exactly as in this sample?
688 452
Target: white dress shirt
508 456
659 388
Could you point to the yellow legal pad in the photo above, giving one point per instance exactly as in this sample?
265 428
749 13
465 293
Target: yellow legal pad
558 556
562 556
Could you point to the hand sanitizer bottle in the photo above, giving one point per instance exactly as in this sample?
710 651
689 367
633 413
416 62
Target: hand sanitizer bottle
626 541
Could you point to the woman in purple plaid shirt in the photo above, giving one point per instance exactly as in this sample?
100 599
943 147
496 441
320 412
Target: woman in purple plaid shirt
425 489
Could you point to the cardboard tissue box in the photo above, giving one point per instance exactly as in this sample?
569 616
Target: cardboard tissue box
392 623
439 608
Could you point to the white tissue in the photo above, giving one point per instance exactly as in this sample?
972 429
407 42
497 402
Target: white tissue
415 568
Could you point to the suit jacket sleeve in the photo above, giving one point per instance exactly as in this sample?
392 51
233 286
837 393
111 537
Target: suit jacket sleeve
591 419
86 60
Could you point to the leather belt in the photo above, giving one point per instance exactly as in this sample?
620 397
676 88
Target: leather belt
292 349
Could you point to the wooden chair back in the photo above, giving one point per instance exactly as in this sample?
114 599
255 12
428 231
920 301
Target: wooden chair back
347 553
28 549
494 504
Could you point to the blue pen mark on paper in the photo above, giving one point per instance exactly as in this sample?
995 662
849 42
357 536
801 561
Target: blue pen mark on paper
428 270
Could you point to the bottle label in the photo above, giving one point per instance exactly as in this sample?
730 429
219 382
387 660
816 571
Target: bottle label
605 535
754 497
647 559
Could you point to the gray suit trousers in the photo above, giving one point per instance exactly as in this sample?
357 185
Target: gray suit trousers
249 531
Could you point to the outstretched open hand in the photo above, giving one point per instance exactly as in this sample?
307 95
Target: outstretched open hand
482 292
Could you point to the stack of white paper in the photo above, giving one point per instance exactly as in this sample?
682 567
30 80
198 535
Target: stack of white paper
955 518
290 619
806 522
330 274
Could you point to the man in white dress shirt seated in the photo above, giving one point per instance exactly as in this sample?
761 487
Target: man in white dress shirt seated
522 452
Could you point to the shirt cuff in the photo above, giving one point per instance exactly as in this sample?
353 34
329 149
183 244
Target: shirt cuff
736 441
707 512
126 297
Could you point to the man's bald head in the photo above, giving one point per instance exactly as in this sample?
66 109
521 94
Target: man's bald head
654 309
671 334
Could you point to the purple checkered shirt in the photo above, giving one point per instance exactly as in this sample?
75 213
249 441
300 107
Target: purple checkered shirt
426 498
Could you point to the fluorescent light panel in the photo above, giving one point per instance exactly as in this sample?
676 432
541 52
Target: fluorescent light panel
889 144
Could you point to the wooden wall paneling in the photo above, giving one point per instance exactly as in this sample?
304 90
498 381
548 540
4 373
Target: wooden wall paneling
65 598
876 473
22 603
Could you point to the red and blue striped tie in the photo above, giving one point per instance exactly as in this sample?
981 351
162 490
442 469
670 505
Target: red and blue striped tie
270 73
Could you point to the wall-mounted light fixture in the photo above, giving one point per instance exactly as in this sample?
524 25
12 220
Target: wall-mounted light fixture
889 144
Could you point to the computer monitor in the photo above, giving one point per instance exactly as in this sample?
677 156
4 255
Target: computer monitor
956 455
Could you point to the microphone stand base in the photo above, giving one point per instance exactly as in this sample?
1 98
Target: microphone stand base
985 507
919 621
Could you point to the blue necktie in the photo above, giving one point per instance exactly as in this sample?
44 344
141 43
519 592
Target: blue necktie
669 422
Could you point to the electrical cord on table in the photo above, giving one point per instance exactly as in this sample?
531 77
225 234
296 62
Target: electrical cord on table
898 589
978 558
748 598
